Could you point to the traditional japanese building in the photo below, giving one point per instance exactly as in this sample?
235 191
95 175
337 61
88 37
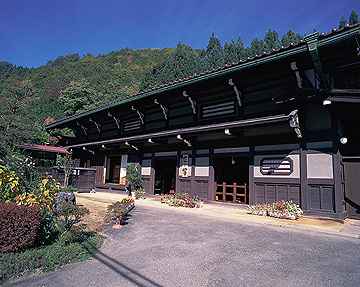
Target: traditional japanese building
281 125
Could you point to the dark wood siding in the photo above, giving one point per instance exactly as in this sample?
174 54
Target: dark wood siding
268 193
321 197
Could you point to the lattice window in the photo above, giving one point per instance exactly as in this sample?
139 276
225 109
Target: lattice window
220 109
132 126
276 166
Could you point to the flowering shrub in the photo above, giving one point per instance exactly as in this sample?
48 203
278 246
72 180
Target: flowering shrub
279 209
139 193
19 226
43 195
119 208
9 184
181 200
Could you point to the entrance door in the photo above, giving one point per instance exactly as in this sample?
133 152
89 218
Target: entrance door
231 178
352 184
165 176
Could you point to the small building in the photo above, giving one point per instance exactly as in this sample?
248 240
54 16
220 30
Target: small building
42 151
280 126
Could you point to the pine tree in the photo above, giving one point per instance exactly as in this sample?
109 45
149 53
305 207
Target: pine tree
240 49
214 57
230 52
290 37
354 18
257 47
271 40
342 22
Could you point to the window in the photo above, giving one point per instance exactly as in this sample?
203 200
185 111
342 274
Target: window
276 166
131 126
219 109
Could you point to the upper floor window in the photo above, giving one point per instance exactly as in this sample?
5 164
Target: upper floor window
131 126
218 109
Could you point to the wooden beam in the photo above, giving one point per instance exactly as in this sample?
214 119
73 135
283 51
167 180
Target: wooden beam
237 92
163 108
98 126
192 102
140 114
117 121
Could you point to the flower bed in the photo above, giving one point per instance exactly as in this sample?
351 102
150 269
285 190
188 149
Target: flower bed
182 200
279 209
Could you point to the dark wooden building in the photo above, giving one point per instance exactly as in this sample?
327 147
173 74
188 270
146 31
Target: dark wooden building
260 130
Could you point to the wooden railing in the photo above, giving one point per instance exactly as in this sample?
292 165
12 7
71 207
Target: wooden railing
223 193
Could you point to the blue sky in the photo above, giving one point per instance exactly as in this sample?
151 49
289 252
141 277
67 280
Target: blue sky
35 31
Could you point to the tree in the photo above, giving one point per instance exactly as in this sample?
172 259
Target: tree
214 57
79 96
184 62
271 40
230 53
290 37
240 50
354 18
342 22
133 177
67 164
257 47
16 119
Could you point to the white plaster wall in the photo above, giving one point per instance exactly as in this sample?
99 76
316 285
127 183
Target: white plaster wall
202 166
145 170
202 171
319 165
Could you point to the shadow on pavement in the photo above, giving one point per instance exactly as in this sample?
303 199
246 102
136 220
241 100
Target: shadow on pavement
129 274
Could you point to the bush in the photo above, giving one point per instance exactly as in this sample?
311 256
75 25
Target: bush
139 193
9 184
182 200
43 195
69 215
19 226
121 207
68 189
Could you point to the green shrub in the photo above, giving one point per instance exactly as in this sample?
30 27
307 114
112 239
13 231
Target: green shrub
48 258
68 215
19 226
68 189
139 193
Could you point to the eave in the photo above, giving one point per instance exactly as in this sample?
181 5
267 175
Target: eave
190 130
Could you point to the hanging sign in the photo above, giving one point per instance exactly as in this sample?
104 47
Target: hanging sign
185 166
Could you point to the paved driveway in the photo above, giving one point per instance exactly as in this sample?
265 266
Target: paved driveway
161 247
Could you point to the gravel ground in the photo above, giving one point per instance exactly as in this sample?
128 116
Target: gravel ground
159 247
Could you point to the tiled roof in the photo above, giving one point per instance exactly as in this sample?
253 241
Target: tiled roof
241 62
44 148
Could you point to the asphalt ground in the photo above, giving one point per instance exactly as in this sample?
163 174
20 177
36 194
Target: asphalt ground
170 247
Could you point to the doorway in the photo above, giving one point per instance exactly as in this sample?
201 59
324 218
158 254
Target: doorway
165 176
231 178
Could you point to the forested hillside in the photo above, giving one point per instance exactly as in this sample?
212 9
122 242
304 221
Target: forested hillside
73 83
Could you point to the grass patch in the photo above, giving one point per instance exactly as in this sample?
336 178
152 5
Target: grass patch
50 257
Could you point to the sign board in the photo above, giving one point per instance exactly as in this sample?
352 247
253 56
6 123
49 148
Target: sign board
185 165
